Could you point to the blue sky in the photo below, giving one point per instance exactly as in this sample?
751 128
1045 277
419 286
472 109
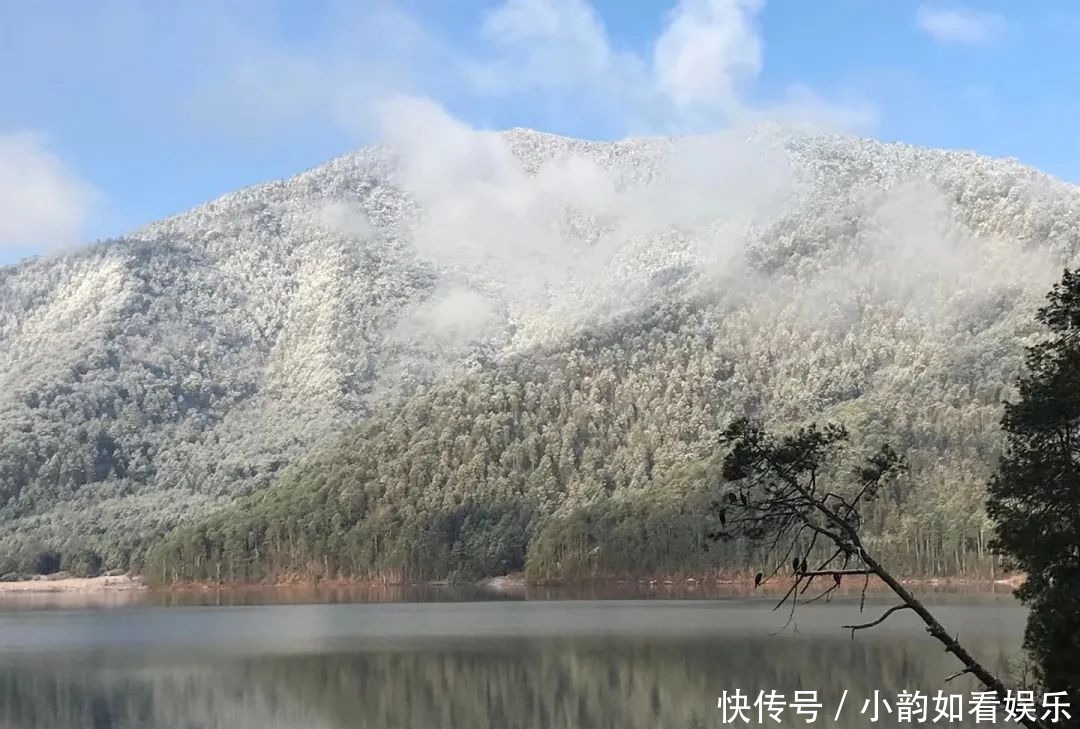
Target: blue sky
118 112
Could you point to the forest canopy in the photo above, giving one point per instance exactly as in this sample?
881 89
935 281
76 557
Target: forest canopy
331 374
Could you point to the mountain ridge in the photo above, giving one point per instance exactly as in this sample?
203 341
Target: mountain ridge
153 379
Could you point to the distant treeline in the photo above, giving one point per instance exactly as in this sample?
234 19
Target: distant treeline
600 459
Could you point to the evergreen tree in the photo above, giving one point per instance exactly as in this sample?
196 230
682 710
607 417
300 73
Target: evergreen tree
1035 495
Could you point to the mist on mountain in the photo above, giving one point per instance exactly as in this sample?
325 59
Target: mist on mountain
152 379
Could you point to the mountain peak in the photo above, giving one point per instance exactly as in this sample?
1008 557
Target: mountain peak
164 373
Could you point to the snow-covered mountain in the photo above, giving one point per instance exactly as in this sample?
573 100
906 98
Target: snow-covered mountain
153 377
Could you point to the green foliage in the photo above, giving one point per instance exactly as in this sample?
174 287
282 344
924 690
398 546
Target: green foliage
596 457
82 562
150 381
631 537
1034 497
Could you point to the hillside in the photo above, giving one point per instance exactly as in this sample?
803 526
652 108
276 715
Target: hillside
558 329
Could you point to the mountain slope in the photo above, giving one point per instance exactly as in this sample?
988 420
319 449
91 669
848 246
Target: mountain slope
156 377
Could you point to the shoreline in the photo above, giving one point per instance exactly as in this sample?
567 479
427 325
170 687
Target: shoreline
745 583
504 584
73 585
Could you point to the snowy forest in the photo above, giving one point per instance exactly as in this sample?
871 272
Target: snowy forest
418 364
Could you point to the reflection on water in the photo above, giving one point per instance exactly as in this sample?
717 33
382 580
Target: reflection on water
622 664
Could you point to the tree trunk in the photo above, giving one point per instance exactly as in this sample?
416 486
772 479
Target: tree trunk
937 630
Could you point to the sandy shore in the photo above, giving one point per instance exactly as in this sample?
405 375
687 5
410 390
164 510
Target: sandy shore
118 583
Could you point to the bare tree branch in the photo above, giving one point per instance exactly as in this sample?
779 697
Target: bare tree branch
824 594
879 621
958 674
787 497
827 573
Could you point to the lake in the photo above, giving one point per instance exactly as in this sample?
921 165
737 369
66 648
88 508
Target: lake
463 664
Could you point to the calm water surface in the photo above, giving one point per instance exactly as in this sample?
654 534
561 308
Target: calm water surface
546 664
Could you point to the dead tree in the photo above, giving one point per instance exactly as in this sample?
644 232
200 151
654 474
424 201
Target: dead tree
791 492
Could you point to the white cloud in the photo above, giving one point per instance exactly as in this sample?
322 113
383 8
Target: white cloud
708 49
547 242
256 83
481 208
694 78
959 25
343 218
803 108
556 56
549 42
454 317
43 204
234 73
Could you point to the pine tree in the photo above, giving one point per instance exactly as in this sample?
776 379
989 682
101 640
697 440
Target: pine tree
1035 495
